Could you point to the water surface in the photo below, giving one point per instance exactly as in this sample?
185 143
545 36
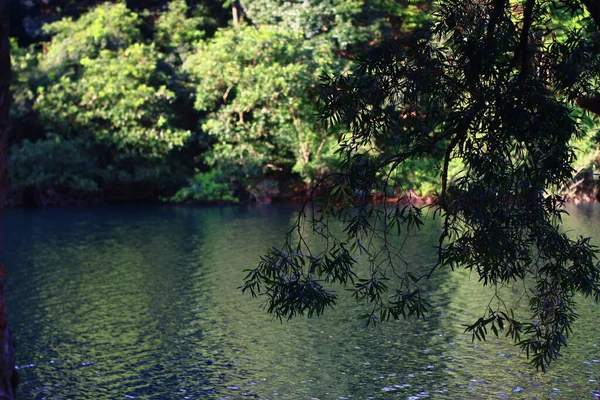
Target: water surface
141 302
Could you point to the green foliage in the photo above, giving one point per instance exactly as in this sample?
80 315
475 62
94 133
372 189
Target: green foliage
115 80
24 64
586 148
205 187
97 84
53 164
488 87
115 99
106 27
174 30
257 85
347 23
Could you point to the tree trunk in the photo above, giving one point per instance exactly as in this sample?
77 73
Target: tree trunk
238 15
8 374
593 7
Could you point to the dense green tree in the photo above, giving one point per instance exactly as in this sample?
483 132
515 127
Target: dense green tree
116 99
110 85
106 27
258 87
98 92
347 23
22 91
490 86
151 138
54 169
175 31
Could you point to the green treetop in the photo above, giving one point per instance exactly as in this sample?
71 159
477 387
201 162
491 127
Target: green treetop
257 86
100 93
347 23
106 27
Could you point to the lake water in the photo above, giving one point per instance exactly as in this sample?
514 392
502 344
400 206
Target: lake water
141 302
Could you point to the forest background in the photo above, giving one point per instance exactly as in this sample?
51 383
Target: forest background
198 101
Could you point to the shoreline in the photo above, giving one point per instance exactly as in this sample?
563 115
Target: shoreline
410 198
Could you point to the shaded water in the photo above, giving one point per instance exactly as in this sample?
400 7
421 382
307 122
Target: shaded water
141 302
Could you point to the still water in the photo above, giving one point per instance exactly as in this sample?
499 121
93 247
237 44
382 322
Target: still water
141 302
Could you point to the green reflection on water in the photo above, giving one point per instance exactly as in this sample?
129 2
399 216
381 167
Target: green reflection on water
142 302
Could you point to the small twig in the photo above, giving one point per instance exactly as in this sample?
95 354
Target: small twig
451 146
226 94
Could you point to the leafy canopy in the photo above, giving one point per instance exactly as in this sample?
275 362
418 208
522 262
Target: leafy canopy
97 90
175 31
106 27
490 87
256 85
346 23
121 86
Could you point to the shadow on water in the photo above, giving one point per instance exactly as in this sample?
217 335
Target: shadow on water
141 302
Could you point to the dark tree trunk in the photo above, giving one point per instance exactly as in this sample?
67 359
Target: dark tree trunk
593 7
8 374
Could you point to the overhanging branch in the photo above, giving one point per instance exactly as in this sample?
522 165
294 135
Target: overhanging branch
593 7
